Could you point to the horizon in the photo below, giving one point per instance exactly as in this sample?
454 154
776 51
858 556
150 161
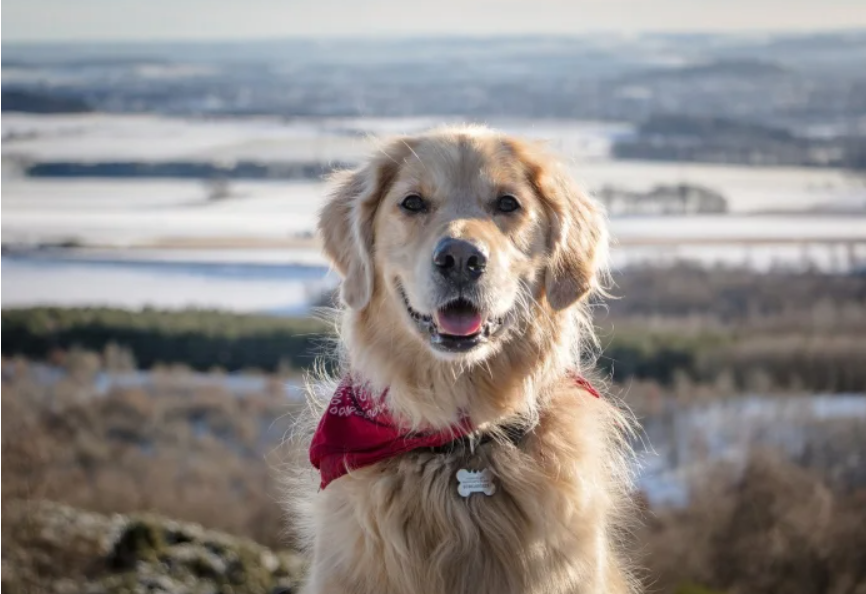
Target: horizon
100 21
428 37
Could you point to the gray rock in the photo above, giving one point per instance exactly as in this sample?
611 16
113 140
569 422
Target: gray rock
140 554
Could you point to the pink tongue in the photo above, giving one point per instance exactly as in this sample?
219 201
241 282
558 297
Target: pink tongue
458 322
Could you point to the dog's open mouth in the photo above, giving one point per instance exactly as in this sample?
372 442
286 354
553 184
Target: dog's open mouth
457 326
458 318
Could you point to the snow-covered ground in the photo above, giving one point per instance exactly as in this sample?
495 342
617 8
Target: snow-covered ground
282 280
165 280
586 145
136 211
747 189
115 214
100 137
122 212
118 213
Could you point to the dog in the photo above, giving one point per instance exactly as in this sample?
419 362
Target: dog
463 449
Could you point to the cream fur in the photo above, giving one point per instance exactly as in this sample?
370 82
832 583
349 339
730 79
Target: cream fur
556 523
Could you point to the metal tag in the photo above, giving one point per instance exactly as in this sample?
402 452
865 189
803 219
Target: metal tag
475 481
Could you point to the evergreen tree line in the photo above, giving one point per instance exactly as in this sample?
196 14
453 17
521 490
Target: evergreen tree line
204 340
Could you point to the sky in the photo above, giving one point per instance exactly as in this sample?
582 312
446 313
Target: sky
144 20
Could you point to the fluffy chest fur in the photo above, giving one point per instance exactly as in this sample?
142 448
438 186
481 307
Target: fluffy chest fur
401 527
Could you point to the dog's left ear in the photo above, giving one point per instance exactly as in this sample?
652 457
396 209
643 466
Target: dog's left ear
578 240
346 224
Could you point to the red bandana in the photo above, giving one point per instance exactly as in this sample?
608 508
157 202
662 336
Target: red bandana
357 431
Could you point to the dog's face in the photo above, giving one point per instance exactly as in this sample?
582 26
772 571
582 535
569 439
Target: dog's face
466 234
460 242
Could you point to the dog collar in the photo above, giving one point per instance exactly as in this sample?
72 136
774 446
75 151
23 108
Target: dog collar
357 430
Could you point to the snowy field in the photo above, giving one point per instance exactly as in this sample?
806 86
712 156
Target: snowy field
586 145
281 280
258 224
98 137
165 281
135 212
130 212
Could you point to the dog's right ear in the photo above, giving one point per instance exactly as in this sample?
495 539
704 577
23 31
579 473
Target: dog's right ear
346 225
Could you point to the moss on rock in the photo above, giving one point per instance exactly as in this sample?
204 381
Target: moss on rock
147 555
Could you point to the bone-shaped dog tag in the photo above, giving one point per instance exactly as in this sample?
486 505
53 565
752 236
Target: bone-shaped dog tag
475 481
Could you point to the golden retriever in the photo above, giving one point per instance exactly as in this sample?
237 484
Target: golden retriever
468 258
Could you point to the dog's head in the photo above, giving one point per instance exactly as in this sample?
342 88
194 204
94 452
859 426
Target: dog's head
466 235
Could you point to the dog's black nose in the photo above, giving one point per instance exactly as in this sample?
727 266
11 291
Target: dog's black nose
459 260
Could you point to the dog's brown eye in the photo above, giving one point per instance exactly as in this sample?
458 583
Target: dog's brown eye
413 203
507 203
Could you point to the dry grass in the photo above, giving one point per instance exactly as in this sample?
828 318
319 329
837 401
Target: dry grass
776 528
206 455
197 454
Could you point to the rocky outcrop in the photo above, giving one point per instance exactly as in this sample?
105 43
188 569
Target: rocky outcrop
53 548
